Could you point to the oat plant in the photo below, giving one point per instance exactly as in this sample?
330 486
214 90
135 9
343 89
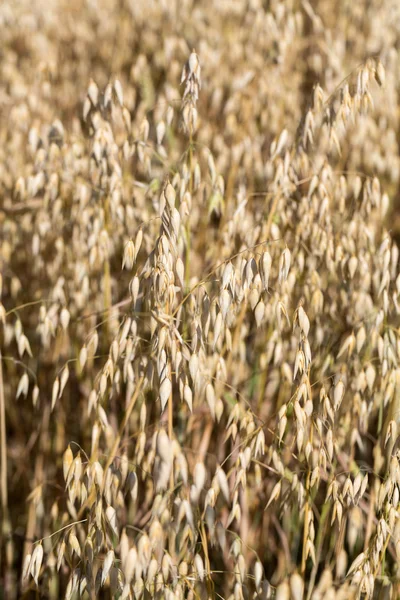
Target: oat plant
199 300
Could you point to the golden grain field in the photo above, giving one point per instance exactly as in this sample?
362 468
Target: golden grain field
199 299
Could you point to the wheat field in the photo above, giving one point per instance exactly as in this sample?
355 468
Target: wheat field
200 299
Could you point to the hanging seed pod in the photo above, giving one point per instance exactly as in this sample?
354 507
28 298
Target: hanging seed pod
165 391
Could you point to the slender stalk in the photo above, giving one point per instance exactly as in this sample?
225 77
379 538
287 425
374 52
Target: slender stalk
107 274
4 491
187 261
3 457
37 481
271 214
170 434
319 544
121 430
306 511
209 581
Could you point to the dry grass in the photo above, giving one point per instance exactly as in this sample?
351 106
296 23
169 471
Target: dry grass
199 317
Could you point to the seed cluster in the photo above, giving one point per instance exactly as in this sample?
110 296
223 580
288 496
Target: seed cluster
199 300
